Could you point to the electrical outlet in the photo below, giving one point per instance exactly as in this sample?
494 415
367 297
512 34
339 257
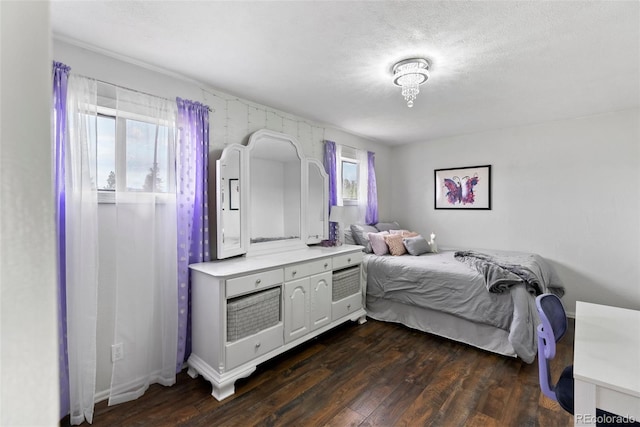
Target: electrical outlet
117 352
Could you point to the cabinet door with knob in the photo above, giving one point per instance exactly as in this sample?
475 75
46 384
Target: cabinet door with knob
296 309
320 300
307 293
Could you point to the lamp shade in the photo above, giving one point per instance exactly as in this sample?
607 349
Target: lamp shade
337 214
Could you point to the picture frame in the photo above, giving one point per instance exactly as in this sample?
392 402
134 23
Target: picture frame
234 194
467 187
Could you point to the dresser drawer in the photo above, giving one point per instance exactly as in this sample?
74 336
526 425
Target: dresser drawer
253 282
347 260
346 306
246 349
297 271
320 266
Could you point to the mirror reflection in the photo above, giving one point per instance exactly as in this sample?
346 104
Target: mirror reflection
230 200
275 192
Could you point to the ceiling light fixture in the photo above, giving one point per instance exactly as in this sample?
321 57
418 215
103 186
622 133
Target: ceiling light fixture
409 74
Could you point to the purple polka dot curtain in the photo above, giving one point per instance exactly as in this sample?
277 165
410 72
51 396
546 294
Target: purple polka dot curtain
60 78
193 228
371 216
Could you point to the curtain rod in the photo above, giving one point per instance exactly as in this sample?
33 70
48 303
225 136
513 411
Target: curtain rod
348 146
138 91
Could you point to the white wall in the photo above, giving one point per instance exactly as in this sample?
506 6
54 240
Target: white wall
568 190
29 336
232 122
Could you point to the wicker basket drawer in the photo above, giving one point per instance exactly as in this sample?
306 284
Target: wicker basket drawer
345 282
252 313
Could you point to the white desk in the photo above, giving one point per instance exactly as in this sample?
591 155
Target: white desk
606 362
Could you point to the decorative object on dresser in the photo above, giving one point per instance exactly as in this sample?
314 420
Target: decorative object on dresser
463 188
281 292
337 215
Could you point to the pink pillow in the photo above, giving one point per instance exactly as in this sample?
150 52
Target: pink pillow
378 245
398 231
396 246
404 233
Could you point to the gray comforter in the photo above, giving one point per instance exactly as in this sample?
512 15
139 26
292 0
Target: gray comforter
440 282
502 270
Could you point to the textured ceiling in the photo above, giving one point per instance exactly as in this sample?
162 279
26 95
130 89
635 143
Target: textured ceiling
495 64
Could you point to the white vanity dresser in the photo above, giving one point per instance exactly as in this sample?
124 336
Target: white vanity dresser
269 291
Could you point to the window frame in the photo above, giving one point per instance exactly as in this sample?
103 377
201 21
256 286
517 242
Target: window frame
120 161
356 162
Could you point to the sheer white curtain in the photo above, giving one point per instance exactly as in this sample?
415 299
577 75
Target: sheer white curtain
363 181
145 248
81 224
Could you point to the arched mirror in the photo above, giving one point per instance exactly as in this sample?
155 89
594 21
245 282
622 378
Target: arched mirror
269 197
229 202
275 168
275 194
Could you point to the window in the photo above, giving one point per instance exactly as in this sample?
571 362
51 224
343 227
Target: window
349 175
132 155
349 180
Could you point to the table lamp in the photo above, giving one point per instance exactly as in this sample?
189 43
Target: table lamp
337 216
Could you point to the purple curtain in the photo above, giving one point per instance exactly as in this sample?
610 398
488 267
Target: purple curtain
371 216
330 168
193 218
59 123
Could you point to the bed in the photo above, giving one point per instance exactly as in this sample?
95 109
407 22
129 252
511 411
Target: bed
458 295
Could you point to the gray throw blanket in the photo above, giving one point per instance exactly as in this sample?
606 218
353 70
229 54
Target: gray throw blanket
502 270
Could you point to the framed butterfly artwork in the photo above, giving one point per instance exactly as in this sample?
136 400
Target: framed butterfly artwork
463 188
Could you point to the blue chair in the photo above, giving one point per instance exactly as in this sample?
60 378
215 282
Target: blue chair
552 328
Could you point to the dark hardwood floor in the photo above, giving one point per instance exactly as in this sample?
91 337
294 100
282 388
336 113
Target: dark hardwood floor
376 374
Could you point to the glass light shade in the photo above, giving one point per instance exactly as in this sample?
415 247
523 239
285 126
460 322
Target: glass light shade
409 75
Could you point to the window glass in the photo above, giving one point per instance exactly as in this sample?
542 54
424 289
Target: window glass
132 155
349 180
147 157
106 153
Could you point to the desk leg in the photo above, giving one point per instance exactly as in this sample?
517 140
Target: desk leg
584 403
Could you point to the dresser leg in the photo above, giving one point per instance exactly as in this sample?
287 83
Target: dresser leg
222 391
